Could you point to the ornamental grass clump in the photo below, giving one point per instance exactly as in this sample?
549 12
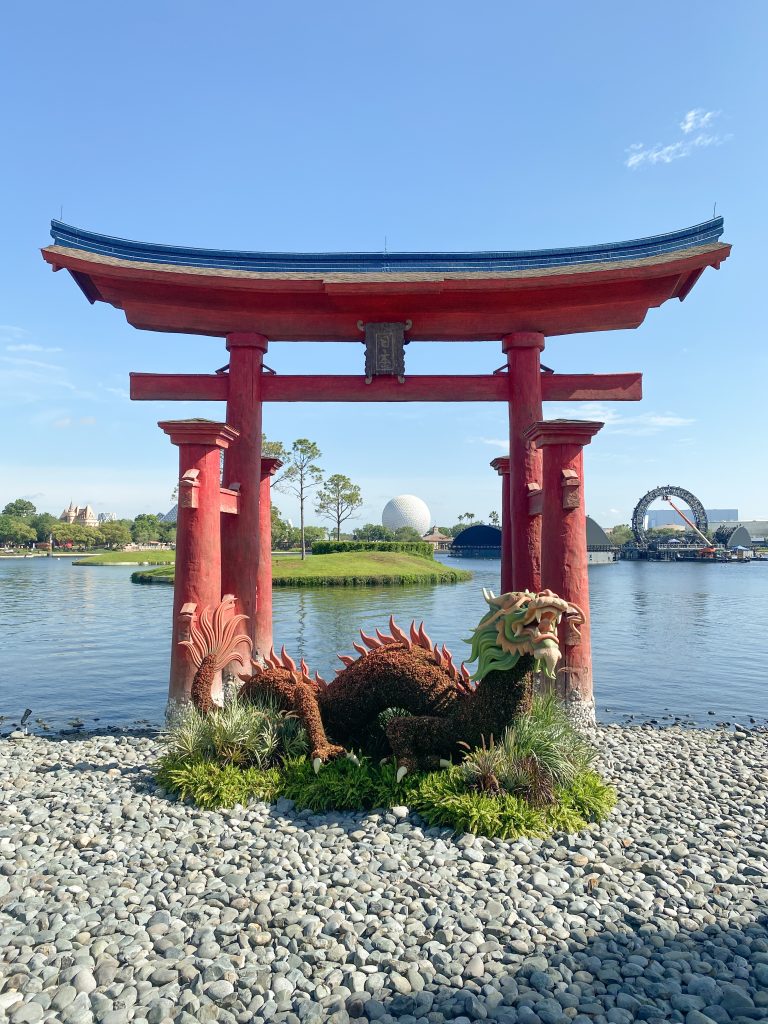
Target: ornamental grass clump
538 754
254 734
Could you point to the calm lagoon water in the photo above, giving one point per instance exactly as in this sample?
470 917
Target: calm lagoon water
668 639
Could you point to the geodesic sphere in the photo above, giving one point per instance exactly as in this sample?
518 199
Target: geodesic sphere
406 510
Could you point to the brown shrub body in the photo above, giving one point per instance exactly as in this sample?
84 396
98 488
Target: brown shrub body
397 676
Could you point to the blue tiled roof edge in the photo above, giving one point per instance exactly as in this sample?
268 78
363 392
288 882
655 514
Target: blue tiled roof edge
703 234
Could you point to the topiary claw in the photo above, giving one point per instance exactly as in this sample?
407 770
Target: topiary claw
402 771
444 763
317 764
354 759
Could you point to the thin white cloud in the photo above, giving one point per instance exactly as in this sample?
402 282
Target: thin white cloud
694 128
697 119
31 363
492 442
119 392
31 348
616 422
9 332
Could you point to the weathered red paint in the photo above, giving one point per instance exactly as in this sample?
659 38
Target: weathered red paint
564 558
240 533
524 379
264 641
443 307
198 537
555 387
501 465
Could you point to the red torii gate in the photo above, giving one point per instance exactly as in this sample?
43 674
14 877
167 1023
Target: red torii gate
386 300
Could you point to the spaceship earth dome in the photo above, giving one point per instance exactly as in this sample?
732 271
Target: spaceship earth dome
406 510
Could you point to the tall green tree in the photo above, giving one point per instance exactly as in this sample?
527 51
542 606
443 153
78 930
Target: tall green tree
493 518
373 531
116 534
42 524
20 509
407 534
273 449
301 477
14 530
338 500
146 527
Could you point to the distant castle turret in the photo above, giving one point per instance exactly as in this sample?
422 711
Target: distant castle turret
80 516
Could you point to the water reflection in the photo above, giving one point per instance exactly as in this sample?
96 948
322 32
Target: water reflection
85 641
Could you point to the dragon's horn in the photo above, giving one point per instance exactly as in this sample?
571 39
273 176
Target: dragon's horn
397 633
287 660
370 641
424 640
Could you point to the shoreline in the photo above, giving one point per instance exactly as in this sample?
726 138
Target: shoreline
141 908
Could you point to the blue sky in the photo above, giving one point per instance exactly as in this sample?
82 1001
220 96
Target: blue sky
335 126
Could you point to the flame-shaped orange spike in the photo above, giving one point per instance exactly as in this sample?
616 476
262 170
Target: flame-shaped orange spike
397 633
346 659
362 651
424 640
438 657
414 632
287 660
369 641
465 673
304 667
319 681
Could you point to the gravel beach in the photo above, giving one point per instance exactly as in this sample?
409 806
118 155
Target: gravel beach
119 905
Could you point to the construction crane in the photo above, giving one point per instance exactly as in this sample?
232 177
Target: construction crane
709 549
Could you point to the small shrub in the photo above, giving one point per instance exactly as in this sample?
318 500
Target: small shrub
342 785
212 785
254 734
335 547
442 798
541 752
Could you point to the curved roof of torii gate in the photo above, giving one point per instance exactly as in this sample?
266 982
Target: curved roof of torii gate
446 296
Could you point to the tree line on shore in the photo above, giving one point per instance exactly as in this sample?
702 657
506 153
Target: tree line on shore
334 497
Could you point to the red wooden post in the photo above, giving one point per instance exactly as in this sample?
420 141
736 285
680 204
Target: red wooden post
565 563
524 382
242 466
501 465
198 534
264 580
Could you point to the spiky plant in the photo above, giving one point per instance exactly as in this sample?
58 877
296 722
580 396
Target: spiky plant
212 644
187 734
239 733
481 767
542 751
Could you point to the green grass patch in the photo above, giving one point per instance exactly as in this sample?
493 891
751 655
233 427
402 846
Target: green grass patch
349 569
212 785
128 558
441 798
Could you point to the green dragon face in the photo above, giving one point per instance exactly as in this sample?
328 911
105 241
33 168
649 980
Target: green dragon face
517 624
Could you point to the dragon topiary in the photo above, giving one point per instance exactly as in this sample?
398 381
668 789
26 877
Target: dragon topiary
445 706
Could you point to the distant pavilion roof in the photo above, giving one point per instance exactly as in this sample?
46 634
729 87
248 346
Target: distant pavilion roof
448 296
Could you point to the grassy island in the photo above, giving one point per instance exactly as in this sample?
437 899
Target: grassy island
350 569
129 558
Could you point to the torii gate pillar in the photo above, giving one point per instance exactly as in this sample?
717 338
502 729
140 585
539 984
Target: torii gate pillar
523 350
564 566
241 556
198 535
264 640
501 465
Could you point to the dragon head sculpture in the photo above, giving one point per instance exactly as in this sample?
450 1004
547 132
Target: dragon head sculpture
521 623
